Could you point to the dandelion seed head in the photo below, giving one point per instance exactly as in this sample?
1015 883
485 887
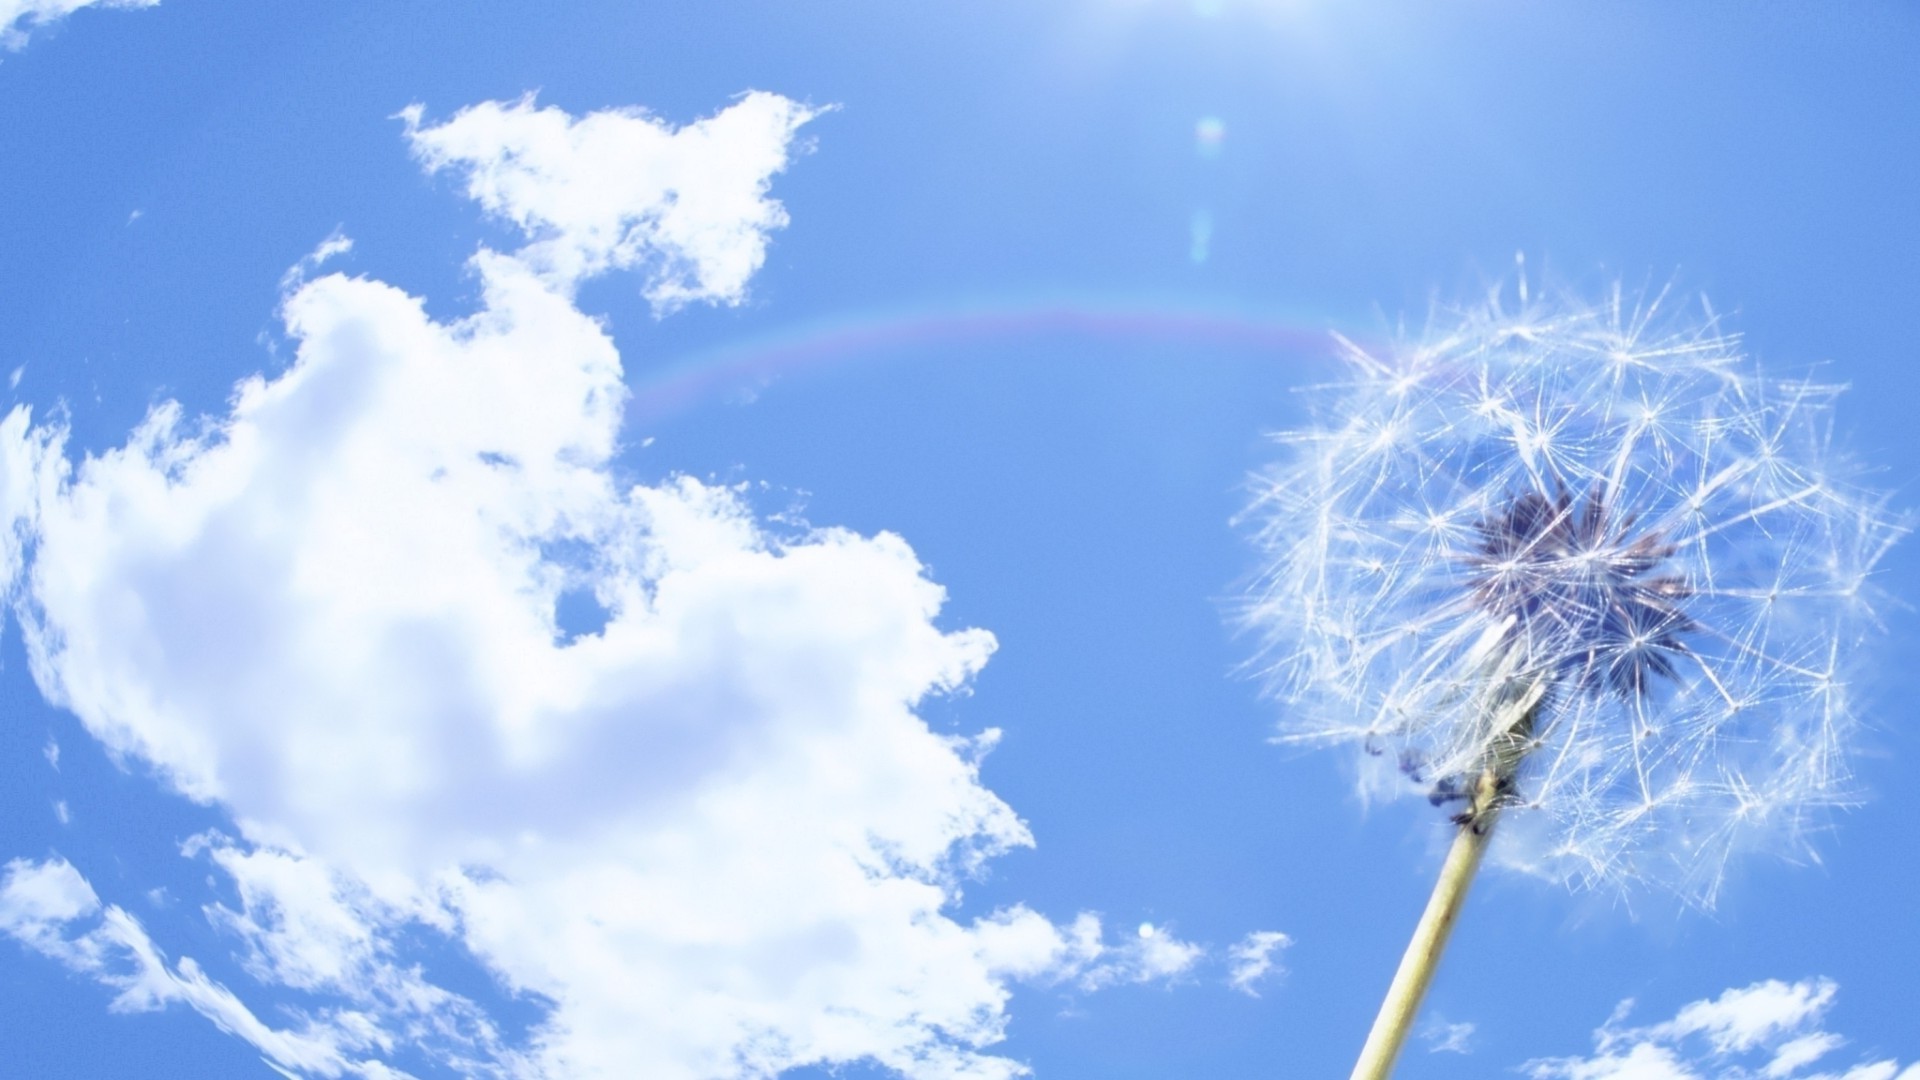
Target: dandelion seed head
1613 505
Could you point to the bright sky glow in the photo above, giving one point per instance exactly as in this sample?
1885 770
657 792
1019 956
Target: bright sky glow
598 541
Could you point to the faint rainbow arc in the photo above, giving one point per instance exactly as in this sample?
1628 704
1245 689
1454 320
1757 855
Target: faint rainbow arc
663 389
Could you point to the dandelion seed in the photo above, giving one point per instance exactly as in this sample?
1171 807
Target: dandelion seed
1583 568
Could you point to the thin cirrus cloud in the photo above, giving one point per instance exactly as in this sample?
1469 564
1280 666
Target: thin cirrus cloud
19 18
711 838
1771 1030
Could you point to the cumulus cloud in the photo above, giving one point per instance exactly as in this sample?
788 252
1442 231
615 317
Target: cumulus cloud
18 18
1771 1030
1253 960
711 838
622 189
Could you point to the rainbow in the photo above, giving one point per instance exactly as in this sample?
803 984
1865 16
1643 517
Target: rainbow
664 389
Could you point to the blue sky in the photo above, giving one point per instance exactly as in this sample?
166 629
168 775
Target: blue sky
678 434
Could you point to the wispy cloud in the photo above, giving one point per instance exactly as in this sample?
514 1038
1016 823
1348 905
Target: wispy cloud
1254 959
19 18
1151 954
1444 1037
1771 1030
43 904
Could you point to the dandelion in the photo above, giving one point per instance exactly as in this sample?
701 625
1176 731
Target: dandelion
1582 569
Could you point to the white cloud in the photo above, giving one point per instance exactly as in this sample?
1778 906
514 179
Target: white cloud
1252 960
1152 954
1740 1020
40 902
713 837
1443 1037
18 18
1156 954
22 449
336 244
37 897
622 189
1771 1030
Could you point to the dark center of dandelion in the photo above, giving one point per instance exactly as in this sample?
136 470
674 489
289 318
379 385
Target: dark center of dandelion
1582 590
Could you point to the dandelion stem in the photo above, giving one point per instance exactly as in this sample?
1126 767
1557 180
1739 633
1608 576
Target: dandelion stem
1514 713
1422 959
